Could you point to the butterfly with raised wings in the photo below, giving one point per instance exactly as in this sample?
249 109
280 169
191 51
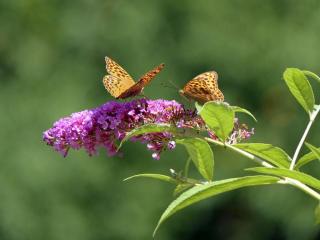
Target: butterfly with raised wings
121 85
203 88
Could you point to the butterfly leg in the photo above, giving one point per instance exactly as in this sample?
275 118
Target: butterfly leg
187 100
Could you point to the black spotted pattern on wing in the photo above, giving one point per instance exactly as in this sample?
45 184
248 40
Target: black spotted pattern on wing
203 88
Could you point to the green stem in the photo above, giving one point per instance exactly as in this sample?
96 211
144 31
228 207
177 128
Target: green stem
303 187
260 161
290 181
303 138
244 153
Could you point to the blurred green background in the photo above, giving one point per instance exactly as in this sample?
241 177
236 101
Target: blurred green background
52 63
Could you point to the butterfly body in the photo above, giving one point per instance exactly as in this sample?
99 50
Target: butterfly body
121 85
203 88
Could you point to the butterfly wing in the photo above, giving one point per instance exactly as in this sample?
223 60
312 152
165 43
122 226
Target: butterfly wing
143 81
203 88
211 79
118 81
146 78
113 85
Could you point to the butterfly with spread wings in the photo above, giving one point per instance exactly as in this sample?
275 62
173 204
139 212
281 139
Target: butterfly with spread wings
203 88
121 85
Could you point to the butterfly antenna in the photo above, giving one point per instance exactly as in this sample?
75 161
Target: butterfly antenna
174 85
171 85
177 88
167 86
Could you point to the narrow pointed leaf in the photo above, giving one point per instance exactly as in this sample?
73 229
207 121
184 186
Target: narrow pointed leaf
313 149
201 155
281 172
239 109
313 155
300 88
274 155
161 177
186 167
205 191
219 117
312 75
148 128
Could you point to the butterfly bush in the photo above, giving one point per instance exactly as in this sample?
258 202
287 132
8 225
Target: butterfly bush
161 123
108 124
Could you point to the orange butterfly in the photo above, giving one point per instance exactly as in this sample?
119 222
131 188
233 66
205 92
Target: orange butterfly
203 88
121 85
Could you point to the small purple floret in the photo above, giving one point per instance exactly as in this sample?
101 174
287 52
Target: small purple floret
171 145
156 156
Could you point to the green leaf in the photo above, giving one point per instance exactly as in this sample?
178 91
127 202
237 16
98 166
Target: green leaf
239 109
274 155
219 117
281 172
300 88
313 149
317 214
312 75
186 167
148 128
201 155
313 155
161 177
205 191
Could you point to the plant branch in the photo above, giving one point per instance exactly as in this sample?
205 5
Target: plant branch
303 138
244 153
290 181
303 187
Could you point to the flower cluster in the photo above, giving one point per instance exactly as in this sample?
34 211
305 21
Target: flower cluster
240 132
108 124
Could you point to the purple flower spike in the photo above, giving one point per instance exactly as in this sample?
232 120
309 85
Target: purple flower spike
108 124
